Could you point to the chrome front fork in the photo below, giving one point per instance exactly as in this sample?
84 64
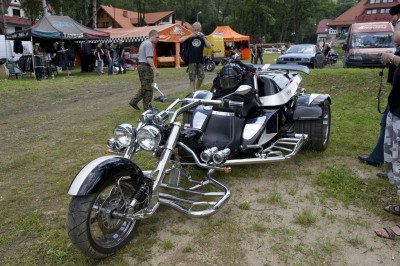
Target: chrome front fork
157 175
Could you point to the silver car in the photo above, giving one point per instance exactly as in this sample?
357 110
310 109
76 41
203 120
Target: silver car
303 54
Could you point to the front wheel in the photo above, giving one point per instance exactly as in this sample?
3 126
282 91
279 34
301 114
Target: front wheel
92 224
318 131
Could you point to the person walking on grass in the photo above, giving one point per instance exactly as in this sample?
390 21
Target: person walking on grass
196 43
259 54
121 58
99 53
110 57
147 72
253 53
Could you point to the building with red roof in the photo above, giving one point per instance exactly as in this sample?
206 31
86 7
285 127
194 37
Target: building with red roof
363 11
324 31
112 17
14 18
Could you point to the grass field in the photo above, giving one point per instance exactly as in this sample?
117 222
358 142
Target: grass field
317 209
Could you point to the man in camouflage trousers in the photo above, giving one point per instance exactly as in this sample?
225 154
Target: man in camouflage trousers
147 71
197 41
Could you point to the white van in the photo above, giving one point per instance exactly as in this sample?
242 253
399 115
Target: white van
366 42
7 49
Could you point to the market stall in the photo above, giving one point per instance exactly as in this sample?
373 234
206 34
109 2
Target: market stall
233 39
54 38
168 47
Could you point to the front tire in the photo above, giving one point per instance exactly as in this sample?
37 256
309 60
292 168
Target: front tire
318 130
91 225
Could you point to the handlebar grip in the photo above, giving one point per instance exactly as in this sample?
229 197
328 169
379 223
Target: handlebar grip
235 103
160 99
164 99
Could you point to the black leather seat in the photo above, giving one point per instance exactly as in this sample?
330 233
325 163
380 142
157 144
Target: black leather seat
266 87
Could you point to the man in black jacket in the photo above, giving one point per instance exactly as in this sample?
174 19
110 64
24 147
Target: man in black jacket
196 42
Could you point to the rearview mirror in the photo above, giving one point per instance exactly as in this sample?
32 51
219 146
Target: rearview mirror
155 87
243 90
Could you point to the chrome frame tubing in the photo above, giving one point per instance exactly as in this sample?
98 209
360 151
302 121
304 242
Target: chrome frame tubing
208 207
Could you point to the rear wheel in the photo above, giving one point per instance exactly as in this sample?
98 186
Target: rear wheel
318 131
92 224
210 66
314 64
319 61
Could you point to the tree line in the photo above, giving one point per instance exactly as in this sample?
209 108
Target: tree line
292 21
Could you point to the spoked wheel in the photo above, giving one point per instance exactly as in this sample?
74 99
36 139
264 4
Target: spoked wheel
318 130
93 226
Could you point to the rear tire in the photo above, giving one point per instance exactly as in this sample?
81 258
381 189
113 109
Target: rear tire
314 64
210 66
319 61
91 226
318 131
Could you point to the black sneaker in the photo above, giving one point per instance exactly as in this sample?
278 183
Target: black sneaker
134 106
382 175
364 159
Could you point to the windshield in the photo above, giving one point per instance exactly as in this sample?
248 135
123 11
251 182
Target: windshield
372 40
301 49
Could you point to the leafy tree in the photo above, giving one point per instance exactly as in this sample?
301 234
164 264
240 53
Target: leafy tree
32 9
264 20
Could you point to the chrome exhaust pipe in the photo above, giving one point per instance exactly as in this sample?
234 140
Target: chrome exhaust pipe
207 155
220 156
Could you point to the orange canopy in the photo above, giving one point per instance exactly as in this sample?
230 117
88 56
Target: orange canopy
168 33
229 35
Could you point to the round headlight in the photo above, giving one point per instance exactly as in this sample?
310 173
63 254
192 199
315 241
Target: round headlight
124 135
149 137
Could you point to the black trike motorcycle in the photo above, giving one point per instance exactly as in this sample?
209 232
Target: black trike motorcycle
264 123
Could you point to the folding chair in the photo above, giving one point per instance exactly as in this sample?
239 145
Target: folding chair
12 70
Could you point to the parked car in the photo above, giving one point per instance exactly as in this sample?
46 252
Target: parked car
303 54
272 51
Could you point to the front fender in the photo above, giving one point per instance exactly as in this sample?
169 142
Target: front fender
310 106
95 173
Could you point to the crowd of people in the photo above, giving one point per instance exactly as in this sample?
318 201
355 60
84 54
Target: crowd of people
256 53
114 55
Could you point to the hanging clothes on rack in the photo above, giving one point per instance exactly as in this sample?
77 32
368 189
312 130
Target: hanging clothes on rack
18 47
